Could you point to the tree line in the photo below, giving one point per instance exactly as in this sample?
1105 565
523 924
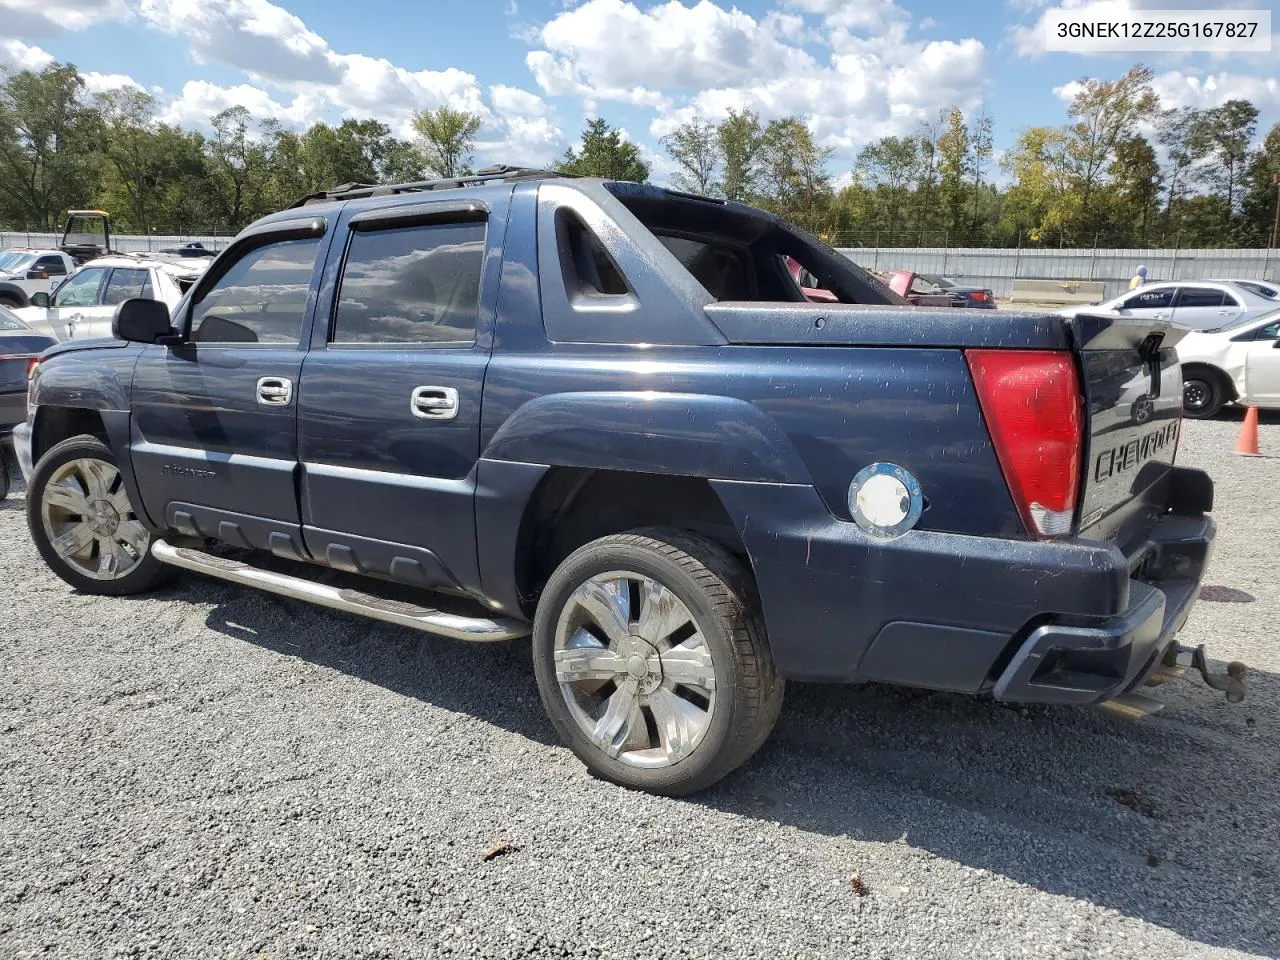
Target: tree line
1121 171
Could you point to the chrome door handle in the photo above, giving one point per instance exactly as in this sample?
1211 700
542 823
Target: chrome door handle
434 403
275 391
1158 316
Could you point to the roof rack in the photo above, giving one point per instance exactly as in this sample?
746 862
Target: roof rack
357 191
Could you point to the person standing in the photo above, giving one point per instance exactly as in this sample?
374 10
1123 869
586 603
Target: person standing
1139 278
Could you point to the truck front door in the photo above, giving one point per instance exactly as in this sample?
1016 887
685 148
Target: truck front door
214 417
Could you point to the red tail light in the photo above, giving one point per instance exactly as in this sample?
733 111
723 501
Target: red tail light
979 295
31 367
1032 404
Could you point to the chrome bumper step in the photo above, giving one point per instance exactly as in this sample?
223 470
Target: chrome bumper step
426 619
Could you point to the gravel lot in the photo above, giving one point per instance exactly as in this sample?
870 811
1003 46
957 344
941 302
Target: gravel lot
218 773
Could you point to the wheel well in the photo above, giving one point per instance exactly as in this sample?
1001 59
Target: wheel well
1209 371
56 424
573 506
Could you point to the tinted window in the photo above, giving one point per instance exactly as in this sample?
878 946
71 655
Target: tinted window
417 284
1261 289
718 268
52 266
1270 332
124 284
1200 297
82 289
587 267
1149 300
261 299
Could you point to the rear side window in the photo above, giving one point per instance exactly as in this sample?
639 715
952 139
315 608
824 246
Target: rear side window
1200 297
125 285
722 270
415 284
262 298
586 265
1149 300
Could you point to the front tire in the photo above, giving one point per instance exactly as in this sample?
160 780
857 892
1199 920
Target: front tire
651 660
83 524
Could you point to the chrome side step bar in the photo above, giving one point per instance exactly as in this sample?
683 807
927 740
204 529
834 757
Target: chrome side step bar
428 620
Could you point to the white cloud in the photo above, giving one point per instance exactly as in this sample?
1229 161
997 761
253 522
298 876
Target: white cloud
714 60
44 18
1178 89
16 55
96 83
1030 41
200 100
517 102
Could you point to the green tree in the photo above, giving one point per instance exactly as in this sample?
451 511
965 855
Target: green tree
982 147
794 179
1042 200
1182 133
955 161
1259 205
1229 130
1104 112
695 147
49 158
604 153
1135 187
888 168
447 138
741 139
237 165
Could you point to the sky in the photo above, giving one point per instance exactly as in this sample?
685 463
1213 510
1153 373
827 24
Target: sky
534 70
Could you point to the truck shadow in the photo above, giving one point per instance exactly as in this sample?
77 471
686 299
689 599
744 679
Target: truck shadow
1172 820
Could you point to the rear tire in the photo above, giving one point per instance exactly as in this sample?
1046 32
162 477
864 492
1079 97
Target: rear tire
651 660
83 524
1203 394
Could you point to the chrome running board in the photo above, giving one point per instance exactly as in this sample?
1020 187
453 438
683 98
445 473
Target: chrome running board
428 620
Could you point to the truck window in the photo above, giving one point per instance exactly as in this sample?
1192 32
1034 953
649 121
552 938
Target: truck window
262 298
586 265
418 284
124 284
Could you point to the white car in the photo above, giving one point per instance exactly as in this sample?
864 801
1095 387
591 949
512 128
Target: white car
1238 363
83 306
25 272
1198 304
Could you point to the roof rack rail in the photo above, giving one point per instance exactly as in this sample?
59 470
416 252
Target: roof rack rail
357 191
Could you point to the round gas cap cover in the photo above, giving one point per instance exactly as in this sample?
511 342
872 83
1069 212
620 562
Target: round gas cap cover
885 500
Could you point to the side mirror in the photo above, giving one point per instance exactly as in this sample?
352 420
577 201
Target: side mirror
1275 344
37 275
141 321
40 300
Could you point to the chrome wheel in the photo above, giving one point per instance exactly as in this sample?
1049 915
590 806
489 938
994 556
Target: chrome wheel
89 521
634 669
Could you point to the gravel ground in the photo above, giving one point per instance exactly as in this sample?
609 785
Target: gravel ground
212 772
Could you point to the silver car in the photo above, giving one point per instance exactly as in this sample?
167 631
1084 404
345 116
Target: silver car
1198 304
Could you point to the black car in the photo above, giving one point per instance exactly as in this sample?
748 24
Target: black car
962 295
19 346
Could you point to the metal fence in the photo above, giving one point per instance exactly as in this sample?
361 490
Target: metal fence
998 268
122 243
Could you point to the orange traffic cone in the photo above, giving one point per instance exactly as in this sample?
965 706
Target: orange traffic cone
1247 445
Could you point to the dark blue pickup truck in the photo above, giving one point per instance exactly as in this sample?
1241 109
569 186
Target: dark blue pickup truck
606 415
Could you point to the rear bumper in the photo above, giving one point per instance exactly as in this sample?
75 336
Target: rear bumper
1083 660
1073 621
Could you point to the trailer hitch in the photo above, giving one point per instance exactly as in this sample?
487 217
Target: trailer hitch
1231 682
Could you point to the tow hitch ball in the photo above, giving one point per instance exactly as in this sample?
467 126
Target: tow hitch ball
1231 682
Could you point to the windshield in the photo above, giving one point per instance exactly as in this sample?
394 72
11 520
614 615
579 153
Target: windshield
14 262
9 320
